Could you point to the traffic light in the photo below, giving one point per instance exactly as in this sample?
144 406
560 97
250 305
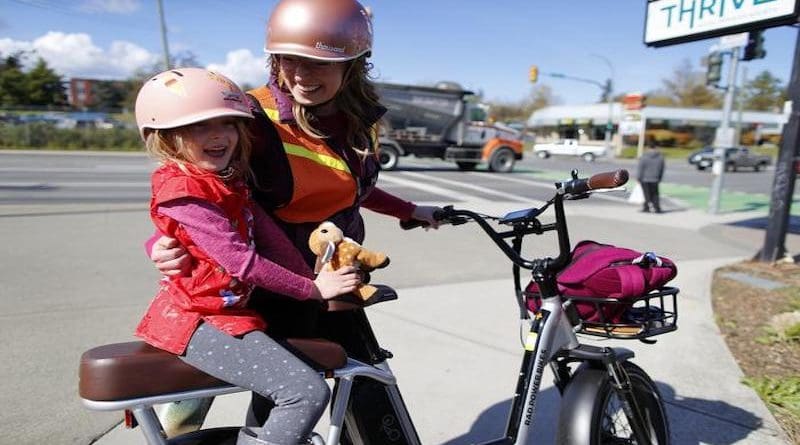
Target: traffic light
755 46
607 89
714 73
533 74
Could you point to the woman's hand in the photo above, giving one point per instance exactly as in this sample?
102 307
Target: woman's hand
426 213
330 284
170 257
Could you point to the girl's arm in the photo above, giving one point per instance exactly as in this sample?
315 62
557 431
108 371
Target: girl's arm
212 232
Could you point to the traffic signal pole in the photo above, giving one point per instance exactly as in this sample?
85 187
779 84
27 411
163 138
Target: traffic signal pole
783 183
724 136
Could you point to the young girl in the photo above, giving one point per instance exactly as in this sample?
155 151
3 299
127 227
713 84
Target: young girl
193 121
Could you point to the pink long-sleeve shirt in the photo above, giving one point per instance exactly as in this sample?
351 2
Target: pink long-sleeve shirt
273 264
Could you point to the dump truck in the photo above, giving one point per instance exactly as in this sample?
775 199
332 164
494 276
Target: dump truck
443 122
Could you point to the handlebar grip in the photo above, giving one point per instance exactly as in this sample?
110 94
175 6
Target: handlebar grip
608 180
438 215
412 224
579 186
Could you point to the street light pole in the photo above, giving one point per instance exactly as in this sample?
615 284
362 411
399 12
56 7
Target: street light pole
167 64
724 136
610 100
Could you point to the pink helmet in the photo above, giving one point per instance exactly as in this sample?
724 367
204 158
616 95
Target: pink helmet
185 96
330 30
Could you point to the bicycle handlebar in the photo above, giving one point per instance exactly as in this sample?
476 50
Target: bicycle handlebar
529 224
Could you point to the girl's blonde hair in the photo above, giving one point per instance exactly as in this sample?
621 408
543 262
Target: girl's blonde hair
167 145
356 99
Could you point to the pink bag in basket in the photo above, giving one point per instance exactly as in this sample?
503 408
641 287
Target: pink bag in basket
606 271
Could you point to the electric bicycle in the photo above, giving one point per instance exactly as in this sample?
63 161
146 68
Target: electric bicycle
606 399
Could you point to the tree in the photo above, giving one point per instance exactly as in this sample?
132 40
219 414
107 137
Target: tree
686 88
12 81
44 86
540 96
110 94
764 93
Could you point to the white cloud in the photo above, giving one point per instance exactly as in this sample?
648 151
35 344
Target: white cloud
75 55
243 67
112 6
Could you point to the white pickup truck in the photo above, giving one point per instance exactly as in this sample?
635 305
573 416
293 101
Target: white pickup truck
569 147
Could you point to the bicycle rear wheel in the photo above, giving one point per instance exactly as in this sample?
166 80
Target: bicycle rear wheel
591 411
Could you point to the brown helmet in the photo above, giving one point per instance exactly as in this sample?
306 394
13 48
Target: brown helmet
330 30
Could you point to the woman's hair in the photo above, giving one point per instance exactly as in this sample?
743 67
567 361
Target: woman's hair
167 145
356 100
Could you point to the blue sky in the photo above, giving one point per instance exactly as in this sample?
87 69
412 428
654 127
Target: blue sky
485 46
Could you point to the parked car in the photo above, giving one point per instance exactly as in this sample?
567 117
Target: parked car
735 158
569 147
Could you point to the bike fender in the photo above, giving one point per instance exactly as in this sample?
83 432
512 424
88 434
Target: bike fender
579 399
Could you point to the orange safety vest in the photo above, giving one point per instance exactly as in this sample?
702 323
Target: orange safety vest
323 182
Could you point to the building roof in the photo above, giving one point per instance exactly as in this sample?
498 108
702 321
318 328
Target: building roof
598 113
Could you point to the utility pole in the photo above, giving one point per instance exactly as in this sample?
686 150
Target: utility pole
167 64
783 184
740 106
724 136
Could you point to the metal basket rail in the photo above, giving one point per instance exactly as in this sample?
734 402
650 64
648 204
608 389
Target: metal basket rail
649 315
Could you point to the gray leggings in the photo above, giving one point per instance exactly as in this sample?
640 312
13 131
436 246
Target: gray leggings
262 365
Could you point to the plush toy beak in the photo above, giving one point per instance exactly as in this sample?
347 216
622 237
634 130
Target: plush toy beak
325 257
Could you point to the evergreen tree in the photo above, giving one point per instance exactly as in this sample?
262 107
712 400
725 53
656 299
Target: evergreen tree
12 81
44 86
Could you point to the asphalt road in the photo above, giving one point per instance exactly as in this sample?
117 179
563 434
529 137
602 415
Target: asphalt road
74 273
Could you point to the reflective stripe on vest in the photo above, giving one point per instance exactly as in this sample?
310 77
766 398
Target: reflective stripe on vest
319 158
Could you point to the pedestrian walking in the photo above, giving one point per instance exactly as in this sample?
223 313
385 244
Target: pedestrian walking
650 172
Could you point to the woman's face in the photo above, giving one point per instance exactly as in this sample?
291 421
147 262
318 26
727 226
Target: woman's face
211 144
311 82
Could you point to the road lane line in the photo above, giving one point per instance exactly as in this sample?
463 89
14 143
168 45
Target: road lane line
452 194
540 184
488 191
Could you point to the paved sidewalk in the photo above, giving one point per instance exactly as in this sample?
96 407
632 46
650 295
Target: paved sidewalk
457 347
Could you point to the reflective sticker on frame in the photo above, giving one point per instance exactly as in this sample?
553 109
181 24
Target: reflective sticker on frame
530 341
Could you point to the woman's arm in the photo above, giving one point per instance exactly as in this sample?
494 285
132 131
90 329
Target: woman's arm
168 255
388 204
212 232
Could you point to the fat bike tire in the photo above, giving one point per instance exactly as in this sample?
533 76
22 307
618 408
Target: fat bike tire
591 411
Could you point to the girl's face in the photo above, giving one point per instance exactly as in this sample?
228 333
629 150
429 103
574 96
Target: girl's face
311 82
211 144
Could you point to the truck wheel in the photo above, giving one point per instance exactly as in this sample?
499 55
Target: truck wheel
543 154
387 157
588 157
466 166
502 160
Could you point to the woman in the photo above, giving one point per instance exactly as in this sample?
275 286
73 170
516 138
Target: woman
315 148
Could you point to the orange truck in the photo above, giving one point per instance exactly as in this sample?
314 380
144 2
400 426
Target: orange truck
445 122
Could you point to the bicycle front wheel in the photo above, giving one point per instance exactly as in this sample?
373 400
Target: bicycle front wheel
592 413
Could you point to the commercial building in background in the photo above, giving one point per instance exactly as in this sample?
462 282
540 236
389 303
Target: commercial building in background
663 126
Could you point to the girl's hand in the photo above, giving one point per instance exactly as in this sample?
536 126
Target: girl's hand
170 257
426 213
330 284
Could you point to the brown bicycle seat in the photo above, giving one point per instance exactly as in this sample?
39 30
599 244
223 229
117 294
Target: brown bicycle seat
122 371
348 302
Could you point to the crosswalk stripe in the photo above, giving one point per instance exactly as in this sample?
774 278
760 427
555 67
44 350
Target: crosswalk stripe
424 186
484 190
538 183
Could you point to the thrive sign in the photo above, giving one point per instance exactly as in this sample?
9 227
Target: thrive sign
678 21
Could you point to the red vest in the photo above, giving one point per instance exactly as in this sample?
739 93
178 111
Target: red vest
209 293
